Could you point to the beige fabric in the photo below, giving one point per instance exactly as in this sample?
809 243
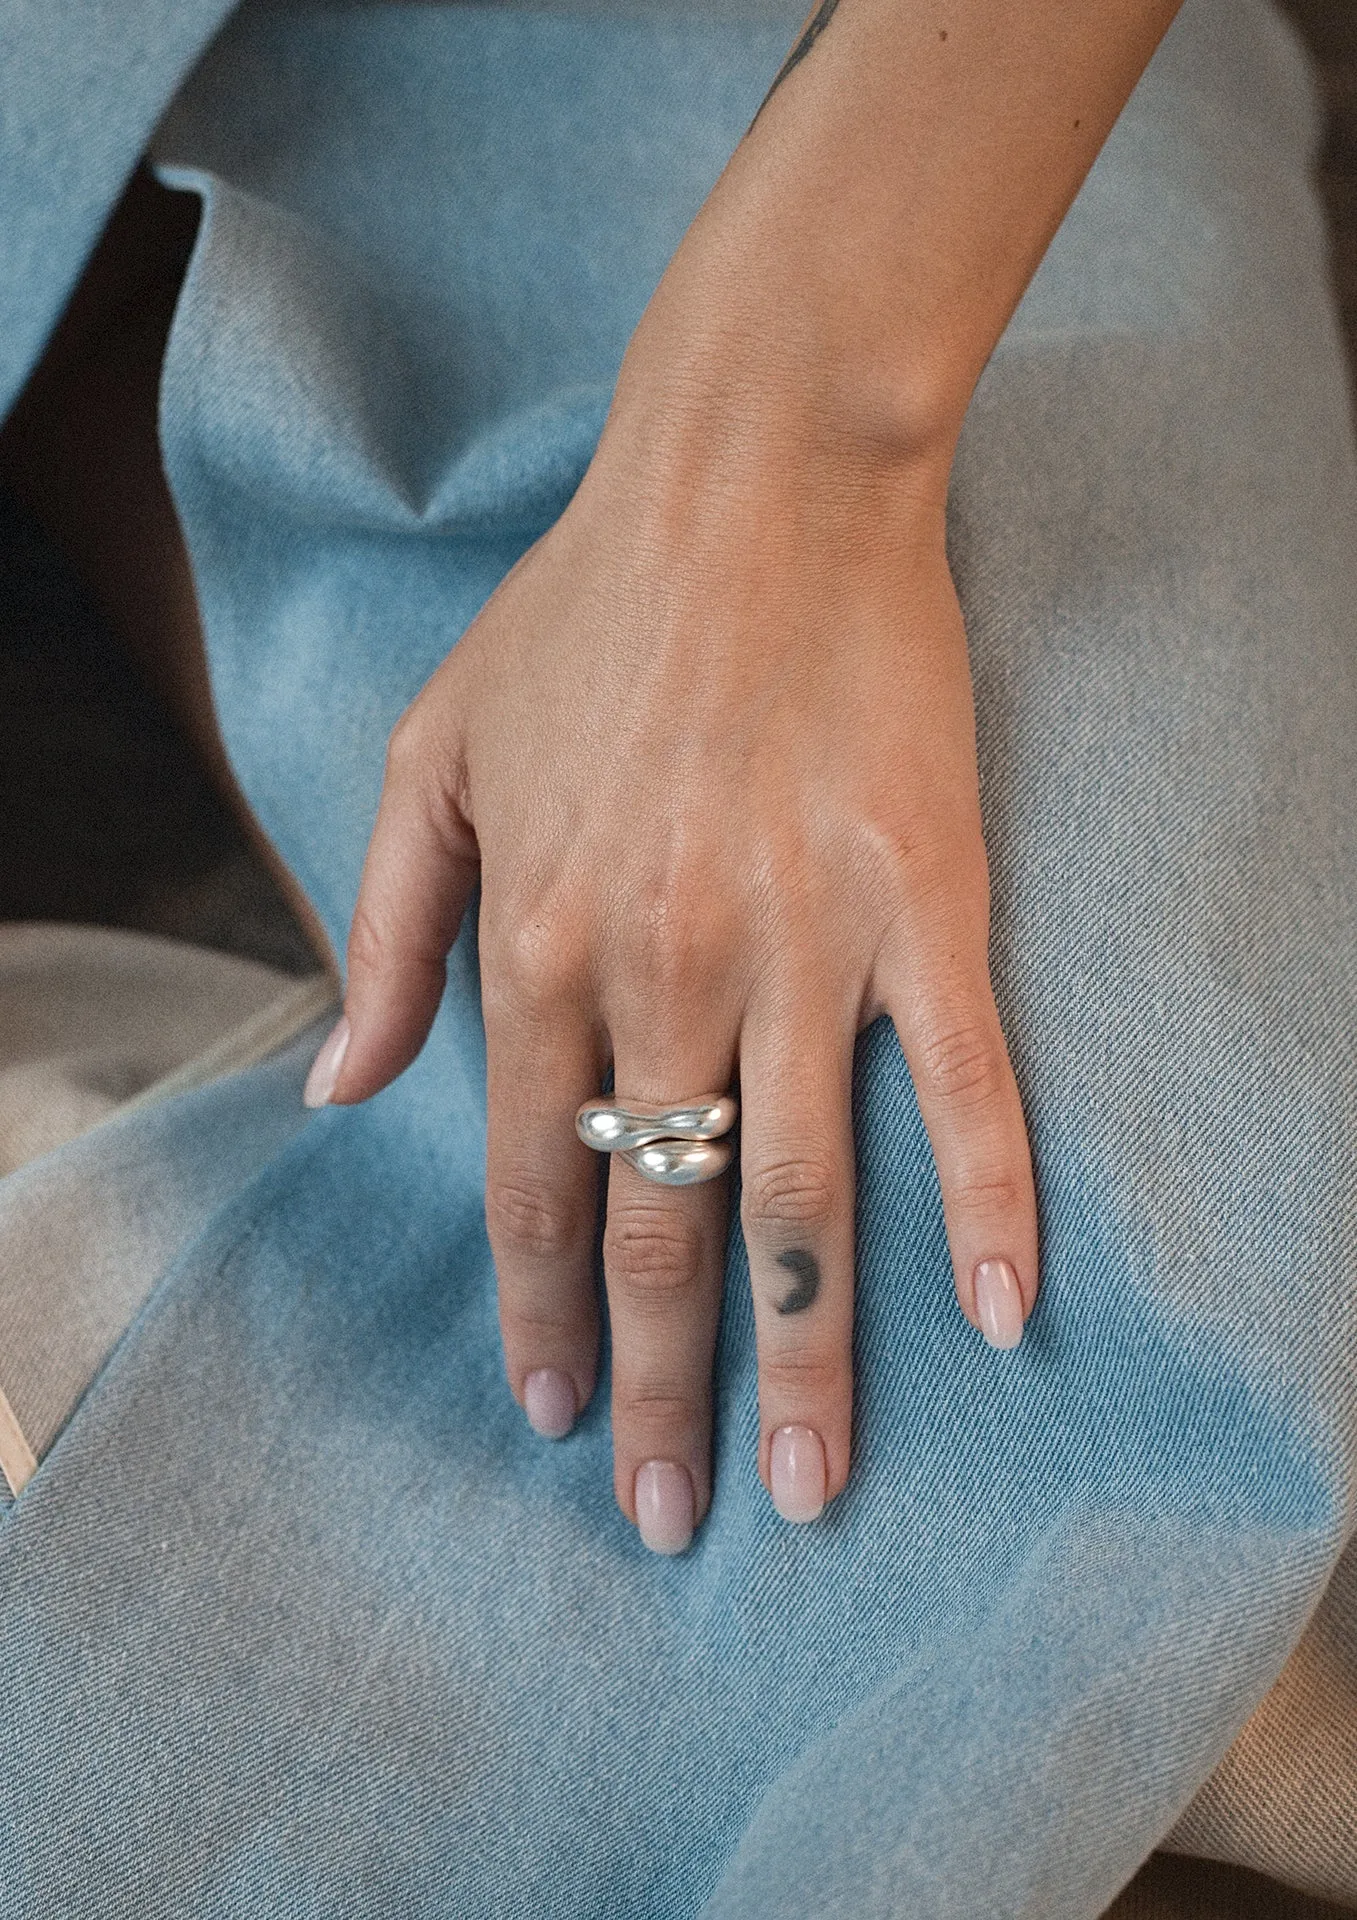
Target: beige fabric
17 1461
107 1172
1284 1800
93 1019
292 1009
1180 1889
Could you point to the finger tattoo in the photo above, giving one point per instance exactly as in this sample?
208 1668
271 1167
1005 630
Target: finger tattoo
805 1270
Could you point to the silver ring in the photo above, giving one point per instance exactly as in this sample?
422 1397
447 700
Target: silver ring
674 1143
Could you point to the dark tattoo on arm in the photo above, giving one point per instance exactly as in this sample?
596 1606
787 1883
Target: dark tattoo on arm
819 20
805 1270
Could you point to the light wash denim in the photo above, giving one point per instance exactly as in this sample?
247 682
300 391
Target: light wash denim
300 1621
82 84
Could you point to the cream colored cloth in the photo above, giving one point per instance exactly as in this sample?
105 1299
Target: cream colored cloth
142 1083
1284 1799
1171 1888
93 1019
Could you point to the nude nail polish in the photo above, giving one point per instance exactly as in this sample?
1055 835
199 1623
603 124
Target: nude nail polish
664 1506
797 1470
320 1082
998 1303
549 1402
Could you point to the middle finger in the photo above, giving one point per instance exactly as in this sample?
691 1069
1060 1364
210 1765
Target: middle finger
664 1262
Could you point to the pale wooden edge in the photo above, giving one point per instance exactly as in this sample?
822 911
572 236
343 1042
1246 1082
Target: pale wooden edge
17 1459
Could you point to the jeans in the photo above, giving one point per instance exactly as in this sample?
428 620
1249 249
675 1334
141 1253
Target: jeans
300 1619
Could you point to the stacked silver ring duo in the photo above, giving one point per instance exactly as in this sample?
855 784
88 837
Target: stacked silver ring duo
674 1145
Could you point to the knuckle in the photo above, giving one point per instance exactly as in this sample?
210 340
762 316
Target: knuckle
673 940
424 765
537 959
369 943
406 747
653 1407
962 1063
994 1192
804 1376
794 1192
426 771
649 1255
924 861
376 949
904 856
528 1221
541 1327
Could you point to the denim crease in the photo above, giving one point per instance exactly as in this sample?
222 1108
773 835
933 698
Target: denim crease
300 1619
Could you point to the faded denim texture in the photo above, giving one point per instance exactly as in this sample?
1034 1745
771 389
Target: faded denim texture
300 1620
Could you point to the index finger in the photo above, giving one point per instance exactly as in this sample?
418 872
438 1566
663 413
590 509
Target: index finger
422 863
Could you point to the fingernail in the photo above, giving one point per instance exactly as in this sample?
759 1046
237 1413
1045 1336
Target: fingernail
549 1402
664 1506
797 1471
998 1303
320 1082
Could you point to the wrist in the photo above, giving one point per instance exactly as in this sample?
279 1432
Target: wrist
717 481
760 343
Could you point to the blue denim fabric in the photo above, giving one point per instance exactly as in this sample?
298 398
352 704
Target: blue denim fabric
300 1620
82 84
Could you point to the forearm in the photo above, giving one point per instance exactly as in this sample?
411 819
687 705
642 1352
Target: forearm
874 231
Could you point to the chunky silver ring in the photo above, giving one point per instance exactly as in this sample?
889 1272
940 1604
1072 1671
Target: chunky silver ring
674 1143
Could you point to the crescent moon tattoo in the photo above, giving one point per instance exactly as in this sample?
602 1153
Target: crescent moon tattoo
805 1270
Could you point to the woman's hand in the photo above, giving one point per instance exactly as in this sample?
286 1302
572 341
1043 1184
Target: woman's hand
710 750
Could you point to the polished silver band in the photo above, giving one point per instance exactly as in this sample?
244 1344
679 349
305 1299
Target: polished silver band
675 1144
